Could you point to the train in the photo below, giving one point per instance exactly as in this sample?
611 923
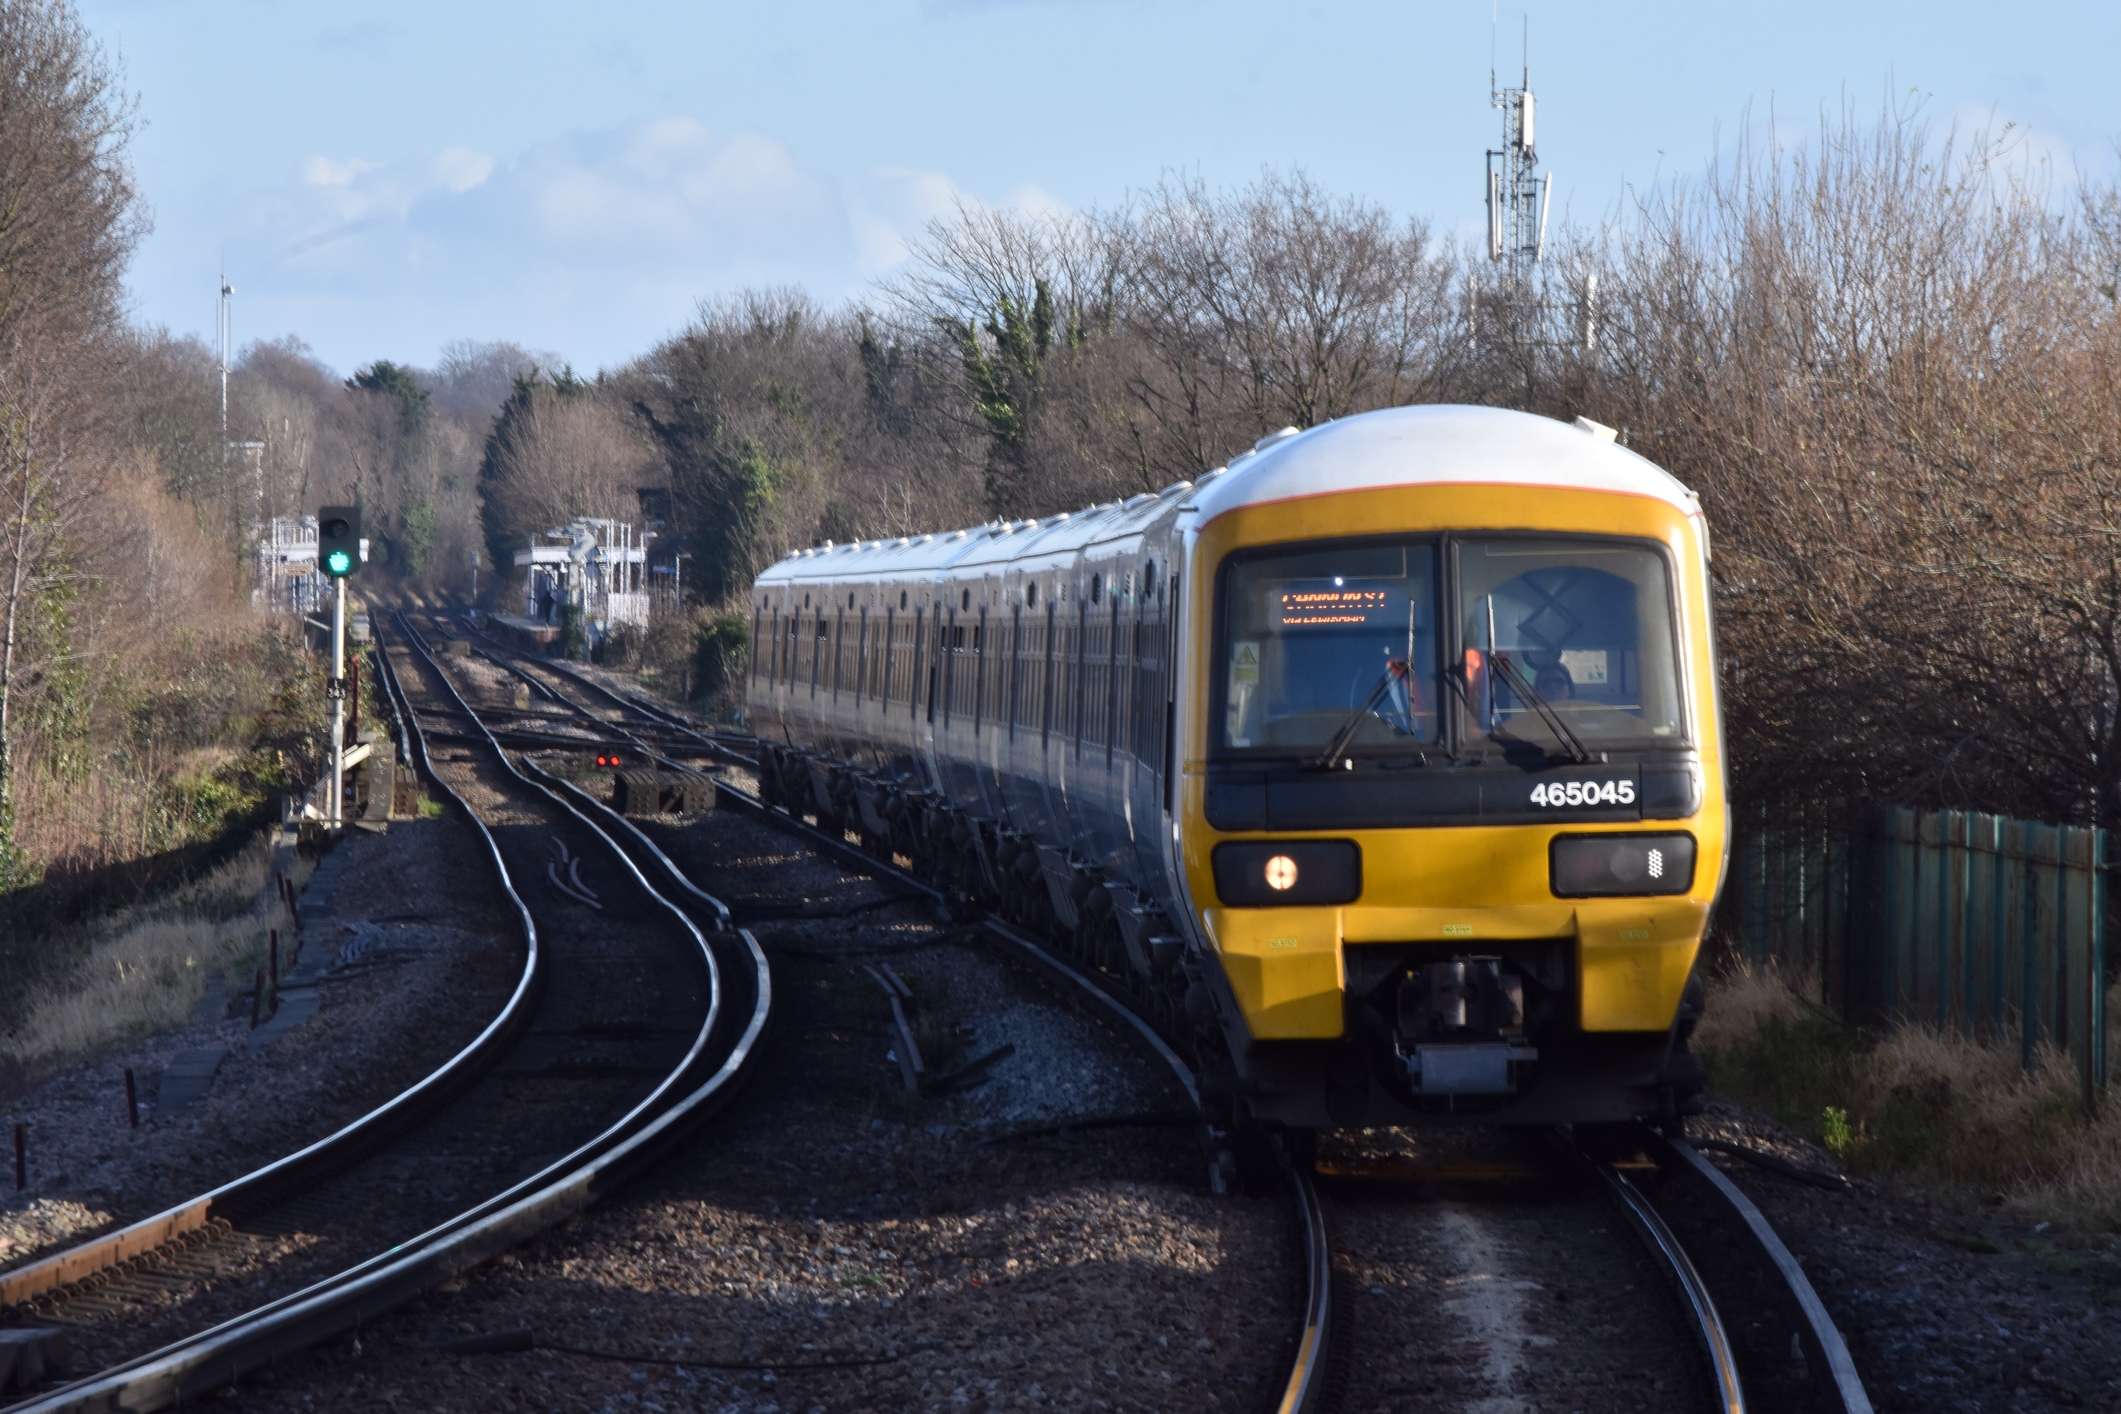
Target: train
1381 768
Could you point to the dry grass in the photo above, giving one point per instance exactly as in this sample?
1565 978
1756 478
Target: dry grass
1741 1002
1958 1114
144 970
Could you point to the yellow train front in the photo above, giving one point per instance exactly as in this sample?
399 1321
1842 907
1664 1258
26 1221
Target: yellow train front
1478 891
1383 768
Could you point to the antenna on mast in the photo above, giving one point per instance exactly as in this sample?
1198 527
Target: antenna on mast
224 330
1518 198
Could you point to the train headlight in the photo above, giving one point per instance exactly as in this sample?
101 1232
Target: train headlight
1589 866
1289 872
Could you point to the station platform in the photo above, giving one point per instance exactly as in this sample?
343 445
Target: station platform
529 633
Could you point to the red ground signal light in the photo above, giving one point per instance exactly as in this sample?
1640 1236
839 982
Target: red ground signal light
611 760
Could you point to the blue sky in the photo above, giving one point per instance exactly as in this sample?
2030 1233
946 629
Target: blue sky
577 177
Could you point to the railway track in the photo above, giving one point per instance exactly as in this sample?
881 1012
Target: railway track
637 1011
1319 1369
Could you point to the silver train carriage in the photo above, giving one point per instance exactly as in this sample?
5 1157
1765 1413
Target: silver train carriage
1383 766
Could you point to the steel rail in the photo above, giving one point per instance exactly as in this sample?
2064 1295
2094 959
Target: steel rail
1822 1341
1703 1318
1827 1354
221 1355
659 716
327 1156
1310 1374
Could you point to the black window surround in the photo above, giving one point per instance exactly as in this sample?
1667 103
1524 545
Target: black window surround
1455 743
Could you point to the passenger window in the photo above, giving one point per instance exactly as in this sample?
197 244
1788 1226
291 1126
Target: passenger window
1310 636
1585 631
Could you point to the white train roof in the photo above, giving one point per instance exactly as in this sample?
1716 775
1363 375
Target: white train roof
1015 542
1436 446
1411 446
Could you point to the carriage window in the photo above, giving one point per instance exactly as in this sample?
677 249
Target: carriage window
1312 635
1577 627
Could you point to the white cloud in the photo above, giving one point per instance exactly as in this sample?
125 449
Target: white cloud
460 169
2024 151
889 209
613 235
671 183
1035 200
323 172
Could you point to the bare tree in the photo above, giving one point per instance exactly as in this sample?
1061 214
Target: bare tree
994 303
1286 306
1110 354
67 224
1891 368
572 454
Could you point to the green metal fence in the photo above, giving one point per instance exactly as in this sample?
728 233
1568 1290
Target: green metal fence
1977 923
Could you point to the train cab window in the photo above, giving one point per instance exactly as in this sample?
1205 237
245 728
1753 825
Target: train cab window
1314 635
1578 631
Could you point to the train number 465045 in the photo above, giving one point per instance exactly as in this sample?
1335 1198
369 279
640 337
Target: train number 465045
1552 793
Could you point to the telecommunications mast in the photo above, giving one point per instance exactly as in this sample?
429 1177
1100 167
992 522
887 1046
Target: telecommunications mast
224 329
1517 196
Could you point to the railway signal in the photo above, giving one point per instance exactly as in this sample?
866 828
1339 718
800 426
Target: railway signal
339 539
338 555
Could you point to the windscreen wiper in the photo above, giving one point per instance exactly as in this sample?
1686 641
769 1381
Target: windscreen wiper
1513 676
1330 757
1520 684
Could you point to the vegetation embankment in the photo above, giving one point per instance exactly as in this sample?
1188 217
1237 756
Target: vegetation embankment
145 968
153 857
1957 1115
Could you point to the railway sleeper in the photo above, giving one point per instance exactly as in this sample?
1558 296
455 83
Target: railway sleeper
185 1254
1097 923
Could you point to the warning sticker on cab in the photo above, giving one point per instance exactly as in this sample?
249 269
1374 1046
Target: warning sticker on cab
1244 662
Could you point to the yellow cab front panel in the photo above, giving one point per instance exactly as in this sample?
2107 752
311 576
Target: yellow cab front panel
1528 820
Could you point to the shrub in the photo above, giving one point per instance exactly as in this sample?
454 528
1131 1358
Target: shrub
1956 1113
718 653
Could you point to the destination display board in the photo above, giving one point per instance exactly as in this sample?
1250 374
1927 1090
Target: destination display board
1310 606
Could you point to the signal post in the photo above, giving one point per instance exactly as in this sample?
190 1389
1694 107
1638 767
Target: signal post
338 552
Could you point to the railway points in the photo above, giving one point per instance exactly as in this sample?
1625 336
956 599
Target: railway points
906 1187
1701 1364
622 1034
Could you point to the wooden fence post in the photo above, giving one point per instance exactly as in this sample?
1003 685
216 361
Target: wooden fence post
2028 995
1998 882
2096 1071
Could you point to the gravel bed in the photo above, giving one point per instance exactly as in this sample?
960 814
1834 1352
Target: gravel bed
1518 1290
827 1217
619 1006
1944 1308
376 1033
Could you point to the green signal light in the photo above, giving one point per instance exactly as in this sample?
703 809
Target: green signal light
338 562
